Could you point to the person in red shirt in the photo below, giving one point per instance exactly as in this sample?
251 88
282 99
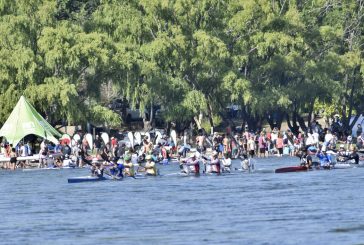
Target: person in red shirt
114 142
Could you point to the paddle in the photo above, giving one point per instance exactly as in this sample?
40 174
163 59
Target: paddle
89 163
113 176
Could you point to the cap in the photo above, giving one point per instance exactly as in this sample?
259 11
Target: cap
148 157
214 153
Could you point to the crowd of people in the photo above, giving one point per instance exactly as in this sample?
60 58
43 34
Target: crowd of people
9 151
276 142
245 144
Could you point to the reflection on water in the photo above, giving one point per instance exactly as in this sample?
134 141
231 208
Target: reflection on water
319 207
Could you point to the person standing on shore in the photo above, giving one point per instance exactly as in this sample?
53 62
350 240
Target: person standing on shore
43 154
262 144
359 130
200 141
227 146
13 159
97 145
251 146
280 144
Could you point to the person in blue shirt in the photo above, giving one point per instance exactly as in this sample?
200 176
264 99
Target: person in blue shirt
117 169
325 159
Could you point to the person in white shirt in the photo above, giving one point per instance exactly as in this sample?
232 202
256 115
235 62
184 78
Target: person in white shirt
328 136
23 150
310 140
316 137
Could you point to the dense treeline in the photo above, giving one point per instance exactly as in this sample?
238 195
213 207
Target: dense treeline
278 59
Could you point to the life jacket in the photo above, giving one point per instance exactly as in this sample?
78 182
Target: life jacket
152 170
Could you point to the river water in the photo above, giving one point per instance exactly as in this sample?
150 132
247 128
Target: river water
318 207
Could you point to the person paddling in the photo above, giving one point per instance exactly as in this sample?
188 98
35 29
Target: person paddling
342 155
128 166
150 166
214 164
306 159
325 159
97 168
192 165
354 155
117 169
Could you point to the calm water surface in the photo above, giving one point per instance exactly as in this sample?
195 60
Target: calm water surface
319 207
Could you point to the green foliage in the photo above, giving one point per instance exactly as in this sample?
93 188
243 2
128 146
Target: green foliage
189 56
206 124
102 115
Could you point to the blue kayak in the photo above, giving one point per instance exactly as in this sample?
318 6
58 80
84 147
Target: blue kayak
105 177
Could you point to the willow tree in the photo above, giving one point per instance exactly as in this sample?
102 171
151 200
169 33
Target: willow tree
53 62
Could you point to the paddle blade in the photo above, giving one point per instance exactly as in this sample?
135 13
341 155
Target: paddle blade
174 137
105 138
131 139
89 140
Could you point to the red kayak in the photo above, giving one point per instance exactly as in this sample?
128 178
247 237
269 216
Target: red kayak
291 169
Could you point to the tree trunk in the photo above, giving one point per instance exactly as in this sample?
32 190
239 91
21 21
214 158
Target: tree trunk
151 116
295 127
310 111
347 126
210 115
270 120
301 122
198 120
343 100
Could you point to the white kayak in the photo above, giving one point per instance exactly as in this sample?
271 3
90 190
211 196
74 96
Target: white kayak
344 165
42 169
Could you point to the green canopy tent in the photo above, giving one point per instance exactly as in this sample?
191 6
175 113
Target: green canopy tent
25 120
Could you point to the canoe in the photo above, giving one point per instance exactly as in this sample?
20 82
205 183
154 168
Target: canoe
291 169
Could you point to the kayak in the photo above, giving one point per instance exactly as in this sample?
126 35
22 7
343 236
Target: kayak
40 169
258 170
344 165
302 168
85 179
105 177
218 174
291 169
